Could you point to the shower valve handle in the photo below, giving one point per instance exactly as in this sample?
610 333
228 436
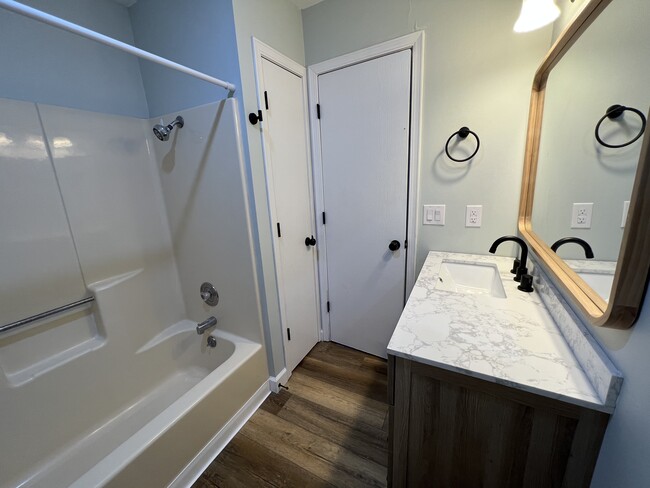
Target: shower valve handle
209 294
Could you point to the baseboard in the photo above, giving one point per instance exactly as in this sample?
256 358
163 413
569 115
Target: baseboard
221 439
281 378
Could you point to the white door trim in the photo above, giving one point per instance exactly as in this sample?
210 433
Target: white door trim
263 51
415 42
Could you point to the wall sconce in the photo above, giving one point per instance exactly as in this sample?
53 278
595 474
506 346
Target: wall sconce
535 14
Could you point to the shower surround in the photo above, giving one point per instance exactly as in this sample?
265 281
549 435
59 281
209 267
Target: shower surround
123 392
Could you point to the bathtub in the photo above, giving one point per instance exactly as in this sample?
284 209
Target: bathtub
155 418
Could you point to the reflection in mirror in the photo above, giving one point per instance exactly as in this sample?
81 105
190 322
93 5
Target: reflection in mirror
607 66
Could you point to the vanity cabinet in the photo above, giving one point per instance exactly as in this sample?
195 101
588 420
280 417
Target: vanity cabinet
451 430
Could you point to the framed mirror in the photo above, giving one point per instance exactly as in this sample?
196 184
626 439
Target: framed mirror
587 156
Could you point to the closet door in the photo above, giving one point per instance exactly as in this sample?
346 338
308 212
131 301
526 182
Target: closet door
289 183
365 125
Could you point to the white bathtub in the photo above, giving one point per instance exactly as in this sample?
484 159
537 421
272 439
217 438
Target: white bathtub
139 422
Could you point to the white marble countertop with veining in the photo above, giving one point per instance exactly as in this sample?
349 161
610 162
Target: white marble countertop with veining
512 341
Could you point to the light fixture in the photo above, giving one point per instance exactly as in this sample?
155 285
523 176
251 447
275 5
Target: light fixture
535 14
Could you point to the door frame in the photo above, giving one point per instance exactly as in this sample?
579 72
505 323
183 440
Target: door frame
263 51
414 42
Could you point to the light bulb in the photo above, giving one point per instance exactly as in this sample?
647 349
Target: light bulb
535 14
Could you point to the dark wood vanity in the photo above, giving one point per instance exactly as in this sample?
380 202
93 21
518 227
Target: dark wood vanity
452 430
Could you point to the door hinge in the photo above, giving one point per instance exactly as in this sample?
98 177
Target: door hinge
266 100
318 110
324 218
328 306
288 334
406 244
279 231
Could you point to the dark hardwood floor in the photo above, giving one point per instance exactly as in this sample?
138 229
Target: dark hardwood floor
329 429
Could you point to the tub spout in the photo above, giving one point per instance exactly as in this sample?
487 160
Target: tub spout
205 325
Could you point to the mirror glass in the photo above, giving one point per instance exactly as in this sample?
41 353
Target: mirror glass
607 66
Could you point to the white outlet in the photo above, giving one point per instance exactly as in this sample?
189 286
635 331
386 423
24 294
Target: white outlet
626 209
473 215
581 215
434 215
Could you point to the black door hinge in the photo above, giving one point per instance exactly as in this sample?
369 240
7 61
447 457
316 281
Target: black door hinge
279 231
266 100
323 218
328 306
288 334
406 244
318 110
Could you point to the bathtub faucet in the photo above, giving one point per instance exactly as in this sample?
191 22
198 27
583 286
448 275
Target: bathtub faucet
205 325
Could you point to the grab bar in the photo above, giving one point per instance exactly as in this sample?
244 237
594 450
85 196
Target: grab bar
42 315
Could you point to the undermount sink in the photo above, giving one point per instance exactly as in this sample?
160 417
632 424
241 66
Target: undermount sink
470 278
601 283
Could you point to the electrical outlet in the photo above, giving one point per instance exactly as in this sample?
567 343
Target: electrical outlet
626 209
581 215
434 215
473 215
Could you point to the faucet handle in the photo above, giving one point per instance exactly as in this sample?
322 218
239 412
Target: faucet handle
515 266
521 271
526 283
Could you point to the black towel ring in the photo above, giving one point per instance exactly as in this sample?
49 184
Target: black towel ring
614 112
463 132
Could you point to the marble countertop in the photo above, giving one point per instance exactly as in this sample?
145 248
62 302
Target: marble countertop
591 266
512 341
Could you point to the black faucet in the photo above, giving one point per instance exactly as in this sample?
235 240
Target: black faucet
522 270
589 254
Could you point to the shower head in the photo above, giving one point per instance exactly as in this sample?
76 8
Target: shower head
162 132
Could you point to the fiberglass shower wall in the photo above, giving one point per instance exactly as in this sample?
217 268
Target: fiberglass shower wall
203 182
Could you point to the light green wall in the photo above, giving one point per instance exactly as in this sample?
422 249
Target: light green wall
277 23
478 73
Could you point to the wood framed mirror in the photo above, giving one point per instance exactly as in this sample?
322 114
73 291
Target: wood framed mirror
632 264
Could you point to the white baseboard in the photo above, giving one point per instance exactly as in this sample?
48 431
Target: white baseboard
281 378
221 439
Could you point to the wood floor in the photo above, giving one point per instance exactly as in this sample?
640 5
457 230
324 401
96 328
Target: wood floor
329 429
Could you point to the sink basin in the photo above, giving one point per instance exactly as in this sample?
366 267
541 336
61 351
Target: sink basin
601 283
470 278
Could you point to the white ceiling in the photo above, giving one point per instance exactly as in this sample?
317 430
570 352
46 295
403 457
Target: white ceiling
305 3
126 3
302 4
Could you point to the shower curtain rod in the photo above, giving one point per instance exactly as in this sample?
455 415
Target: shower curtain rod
48 19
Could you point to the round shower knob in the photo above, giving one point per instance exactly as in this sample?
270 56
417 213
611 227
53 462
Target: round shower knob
209 294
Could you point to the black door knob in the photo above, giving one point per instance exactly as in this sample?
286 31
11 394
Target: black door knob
254 118
310 241
394 245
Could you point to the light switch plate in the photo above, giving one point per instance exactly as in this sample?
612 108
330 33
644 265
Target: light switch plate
626 209
434 215
581 215
473 215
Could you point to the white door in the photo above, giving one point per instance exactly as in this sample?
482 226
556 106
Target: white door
286 154
365 113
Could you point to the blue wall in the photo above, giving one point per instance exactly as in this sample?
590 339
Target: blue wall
44 64
201 37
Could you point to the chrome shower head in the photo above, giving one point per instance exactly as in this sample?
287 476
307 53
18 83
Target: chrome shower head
162 132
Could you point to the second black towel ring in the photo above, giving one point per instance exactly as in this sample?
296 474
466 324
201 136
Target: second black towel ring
614 112
463 132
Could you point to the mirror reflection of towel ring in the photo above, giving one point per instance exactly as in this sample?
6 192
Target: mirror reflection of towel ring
463 132
614 112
